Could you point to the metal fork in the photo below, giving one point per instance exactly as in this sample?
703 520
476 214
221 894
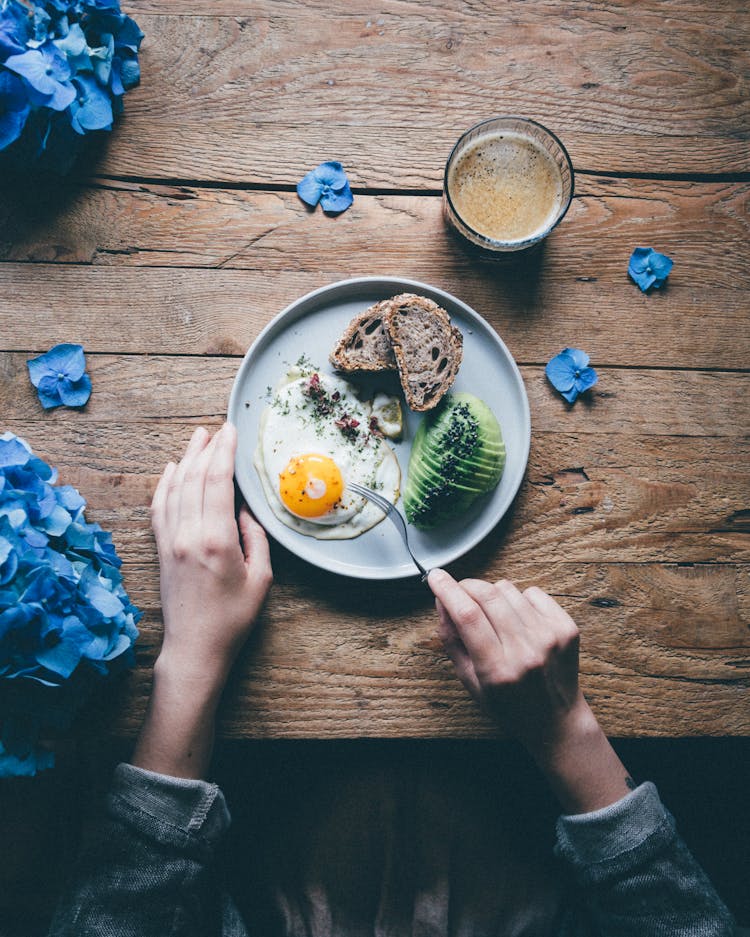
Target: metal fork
390 511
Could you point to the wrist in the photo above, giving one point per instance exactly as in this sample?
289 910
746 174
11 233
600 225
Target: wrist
198 680
563 734
579 762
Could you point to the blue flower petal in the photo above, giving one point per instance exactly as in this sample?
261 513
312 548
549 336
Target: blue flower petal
13 32
579 357
67 359
560 371
49 392
103 601
64 656
331 174
75 393
586 379
570 395
130 73
92 108
639 259
309 189
11 126
569 373
336 201
327 184
129 34
59 376
69 498
13 451
13 766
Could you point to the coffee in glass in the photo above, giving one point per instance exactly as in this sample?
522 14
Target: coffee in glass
508 183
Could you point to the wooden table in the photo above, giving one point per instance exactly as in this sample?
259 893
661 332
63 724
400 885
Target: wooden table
187 237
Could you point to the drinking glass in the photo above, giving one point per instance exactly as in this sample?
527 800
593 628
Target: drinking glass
536 135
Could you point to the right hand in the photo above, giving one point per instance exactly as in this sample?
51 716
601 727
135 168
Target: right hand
516 653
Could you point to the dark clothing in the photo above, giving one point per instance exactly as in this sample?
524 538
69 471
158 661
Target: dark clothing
151 872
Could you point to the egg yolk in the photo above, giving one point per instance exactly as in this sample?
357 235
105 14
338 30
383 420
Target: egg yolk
310 485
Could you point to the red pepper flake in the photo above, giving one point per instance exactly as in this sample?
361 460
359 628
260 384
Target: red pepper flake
348 426
320 398
374 428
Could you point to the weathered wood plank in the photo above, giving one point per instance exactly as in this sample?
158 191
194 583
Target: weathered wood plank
186 389
588 498
265 93
132 224
665 651
270 250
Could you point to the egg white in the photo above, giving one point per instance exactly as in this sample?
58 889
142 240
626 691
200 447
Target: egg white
290 426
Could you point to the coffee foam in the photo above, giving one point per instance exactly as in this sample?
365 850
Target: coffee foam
506 187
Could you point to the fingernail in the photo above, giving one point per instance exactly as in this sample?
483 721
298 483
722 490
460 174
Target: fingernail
437 575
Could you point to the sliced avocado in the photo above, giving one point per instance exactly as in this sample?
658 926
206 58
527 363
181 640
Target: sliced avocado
464 475
480 460
427 477
457 454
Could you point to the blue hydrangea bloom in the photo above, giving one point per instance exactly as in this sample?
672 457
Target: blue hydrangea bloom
648 268
47 72
14 108
328 185
570 374
60 377
64 68
65 617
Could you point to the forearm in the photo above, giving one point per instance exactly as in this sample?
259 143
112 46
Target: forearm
178 731
578 761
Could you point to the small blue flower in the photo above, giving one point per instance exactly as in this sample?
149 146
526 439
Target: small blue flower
92 109
60 377
570 374
328 185
648 268
48 72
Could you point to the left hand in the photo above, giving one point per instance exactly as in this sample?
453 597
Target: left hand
212 584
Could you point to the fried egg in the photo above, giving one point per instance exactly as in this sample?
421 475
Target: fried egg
315 438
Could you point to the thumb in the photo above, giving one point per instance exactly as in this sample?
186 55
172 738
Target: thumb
254 542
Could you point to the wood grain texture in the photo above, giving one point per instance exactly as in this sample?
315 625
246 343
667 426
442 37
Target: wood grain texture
189 389
263 92
136 224
94 269
167 264
324 662
643 538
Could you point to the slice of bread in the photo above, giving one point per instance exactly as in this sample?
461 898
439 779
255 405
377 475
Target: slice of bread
365 345
427 347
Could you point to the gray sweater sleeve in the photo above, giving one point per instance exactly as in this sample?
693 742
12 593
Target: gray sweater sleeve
636 877
150 869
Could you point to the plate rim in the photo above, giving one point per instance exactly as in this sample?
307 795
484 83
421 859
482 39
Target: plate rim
401 284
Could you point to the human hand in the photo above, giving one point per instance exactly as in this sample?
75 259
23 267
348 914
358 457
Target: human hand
212 585
517 654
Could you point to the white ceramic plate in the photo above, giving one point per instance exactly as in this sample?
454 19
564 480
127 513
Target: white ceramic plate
311 326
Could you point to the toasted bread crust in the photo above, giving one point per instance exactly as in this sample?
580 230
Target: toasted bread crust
365 345
428 349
